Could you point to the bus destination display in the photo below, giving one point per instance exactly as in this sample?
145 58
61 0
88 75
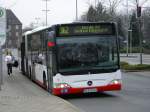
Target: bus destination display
103 29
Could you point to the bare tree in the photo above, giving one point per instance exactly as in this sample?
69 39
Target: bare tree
91 14
113 4
146 24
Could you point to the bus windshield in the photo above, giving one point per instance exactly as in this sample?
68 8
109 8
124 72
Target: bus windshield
78 53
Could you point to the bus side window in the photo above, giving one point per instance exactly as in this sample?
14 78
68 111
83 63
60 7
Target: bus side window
36 45
41 58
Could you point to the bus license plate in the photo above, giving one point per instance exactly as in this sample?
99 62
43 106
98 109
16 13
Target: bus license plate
90 90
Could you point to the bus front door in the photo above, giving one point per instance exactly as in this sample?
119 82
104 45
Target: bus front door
50 73
23 57
50 65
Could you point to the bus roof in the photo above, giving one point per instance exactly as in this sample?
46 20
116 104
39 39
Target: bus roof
27 32
58 25
36 30
85 22
39 29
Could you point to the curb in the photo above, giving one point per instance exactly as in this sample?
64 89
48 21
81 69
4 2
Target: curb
135 71
138 73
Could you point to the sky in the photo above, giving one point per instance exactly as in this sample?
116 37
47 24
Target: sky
60 11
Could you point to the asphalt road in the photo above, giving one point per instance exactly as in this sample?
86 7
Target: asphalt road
134 97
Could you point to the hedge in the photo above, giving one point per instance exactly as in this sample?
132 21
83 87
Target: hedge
127 66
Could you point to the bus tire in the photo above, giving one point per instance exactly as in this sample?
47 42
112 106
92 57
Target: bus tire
30 72
44 80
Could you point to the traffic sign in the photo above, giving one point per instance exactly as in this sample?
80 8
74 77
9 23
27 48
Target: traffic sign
2 26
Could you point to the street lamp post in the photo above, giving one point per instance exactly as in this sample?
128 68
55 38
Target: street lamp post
46 11
76 10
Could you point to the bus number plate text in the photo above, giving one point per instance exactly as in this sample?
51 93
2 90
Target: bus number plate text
90 90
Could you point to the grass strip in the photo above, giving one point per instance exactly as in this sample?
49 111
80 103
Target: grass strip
127 66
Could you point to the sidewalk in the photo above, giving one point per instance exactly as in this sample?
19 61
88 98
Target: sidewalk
19 94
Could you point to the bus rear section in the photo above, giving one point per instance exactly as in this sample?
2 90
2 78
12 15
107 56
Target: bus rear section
87 59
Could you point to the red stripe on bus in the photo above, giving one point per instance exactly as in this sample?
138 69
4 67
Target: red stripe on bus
113 87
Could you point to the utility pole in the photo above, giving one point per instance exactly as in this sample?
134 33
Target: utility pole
141 45
127 37
46 11
76 10
140 31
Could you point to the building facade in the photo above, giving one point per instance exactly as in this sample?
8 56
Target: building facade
14 30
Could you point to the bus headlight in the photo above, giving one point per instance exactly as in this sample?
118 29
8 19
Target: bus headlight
63 85
115 81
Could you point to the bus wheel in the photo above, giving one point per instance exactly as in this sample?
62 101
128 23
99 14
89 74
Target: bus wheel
44 80
30 73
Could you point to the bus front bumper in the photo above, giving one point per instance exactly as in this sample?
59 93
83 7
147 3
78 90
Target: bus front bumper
64 91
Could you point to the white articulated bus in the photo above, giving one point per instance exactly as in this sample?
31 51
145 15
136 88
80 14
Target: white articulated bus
73 58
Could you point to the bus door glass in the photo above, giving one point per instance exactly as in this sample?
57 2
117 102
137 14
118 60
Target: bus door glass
50 60
22 57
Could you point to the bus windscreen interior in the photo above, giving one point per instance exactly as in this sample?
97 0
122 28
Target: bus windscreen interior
86 52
